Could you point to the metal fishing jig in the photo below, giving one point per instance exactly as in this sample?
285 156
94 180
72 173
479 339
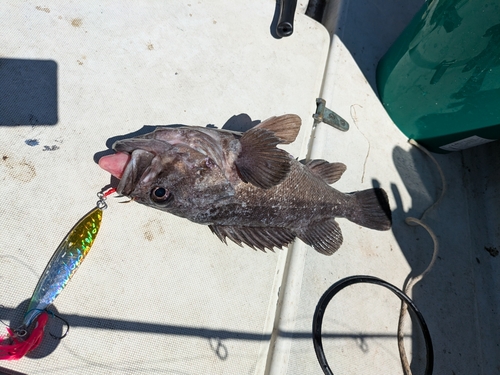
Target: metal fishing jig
61 267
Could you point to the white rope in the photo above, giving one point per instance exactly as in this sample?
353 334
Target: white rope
411 281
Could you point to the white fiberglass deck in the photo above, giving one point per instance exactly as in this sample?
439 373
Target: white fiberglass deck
160 295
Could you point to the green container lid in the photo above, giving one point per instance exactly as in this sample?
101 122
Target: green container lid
440 80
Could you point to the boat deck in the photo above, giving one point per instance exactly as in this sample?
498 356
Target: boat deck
158 294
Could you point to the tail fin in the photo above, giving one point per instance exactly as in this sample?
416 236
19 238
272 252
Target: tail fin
371 209
19 348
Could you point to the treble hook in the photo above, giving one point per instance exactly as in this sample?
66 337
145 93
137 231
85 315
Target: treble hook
54 315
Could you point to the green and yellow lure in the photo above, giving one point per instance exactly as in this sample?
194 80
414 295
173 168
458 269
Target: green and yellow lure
61 267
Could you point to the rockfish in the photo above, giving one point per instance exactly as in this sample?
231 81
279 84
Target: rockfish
242 186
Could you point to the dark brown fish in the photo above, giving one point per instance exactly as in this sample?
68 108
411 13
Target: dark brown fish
242 186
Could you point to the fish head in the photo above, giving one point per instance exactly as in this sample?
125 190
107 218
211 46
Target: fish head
174 178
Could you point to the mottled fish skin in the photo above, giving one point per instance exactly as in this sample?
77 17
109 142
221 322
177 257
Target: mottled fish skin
245 188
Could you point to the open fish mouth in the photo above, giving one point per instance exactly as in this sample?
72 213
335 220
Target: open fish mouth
138 169
139 151
115 164
129 168
138 160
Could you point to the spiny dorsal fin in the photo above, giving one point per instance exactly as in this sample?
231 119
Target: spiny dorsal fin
325 236
285 127
255 237
260 162
329 172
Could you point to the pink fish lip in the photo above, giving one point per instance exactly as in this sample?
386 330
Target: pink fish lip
115 163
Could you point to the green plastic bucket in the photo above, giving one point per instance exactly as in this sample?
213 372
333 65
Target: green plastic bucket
440 80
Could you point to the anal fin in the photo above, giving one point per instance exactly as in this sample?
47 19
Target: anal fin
255 237
324 236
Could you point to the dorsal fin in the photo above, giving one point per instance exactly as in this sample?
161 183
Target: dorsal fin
324 236
328 172
255 237
285 128
260 162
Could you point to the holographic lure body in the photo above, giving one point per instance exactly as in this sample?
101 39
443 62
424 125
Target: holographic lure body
64 263
61 267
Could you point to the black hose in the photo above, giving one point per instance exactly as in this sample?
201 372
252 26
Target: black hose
337 287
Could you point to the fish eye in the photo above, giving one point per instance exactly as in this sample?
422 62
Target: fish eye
161 195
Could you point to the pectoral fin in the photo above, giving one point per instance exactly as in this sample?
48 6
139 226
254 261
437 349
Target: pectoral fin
285 127
325 236
255 237
260 162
